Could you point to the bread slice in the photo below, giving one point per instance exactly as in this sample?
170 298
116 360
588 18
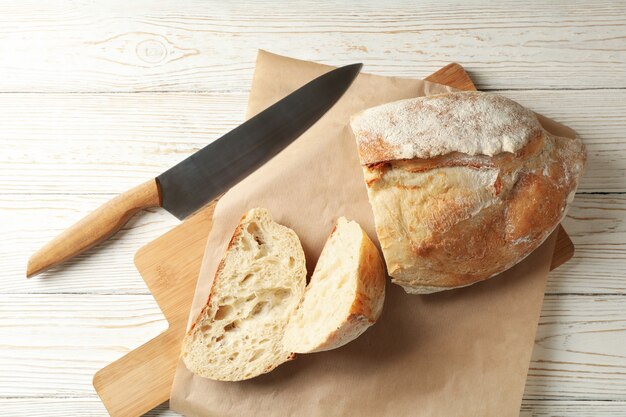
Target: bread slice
345 295
258 284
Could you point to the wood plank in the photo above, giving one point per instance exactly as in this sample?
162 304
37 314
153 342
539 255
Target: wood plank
29 221
596 224
62 407
108 143
96 227
58 407
163 46
579 349
104 143
52 344
570 408
449 75
160 46
601 129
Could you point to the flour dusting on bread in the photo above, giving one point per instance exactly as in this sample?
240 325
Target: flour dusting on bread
462 185
472 123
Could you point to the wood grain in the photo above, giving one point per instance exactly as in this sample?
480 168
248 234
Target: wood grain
52 344
170 266
161 46
63 154
596 224
95 227
108 143
568 408
449 75
29 220
579 349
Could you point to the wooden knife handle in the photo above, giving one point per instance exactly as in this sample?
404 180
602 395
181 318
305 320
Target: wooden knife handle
95 227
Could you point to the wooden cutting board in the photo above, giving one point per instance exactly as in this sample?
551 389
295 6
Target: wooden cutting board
141 380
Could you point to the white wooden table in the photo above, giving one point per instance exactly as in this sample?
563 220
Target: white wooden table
96 97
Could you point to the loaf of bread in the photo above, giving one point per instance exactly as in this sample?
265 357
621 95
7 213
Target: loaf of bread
345 295
258 284
462 185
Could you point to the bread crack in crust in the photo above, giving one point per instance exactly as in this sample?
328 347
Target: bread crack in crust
463 185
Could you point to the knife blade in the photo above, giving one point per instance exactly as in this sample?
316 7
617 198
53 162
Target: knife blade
208 173
217 167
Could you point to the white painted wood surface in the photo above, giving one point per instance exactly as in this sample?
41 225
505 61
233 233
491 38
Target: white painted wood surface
96 97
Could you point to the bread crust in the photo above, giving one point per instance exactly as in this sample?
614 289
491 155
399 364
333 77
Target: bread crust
218 272
345 318
472 123
203 351
455 218
368 303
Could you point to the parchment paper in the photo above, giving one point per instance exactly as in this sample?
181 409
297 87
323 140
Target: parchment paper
457 353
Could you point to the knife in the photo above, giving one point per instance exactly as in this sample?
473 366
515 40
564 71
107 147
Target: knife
208 173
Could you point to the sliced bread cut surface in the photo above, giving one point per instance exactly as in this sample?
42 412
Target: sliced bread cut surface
257 286
345 295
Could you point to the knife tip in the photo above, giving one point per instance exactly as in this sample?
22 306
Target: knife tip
352 69
357 66
32 268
